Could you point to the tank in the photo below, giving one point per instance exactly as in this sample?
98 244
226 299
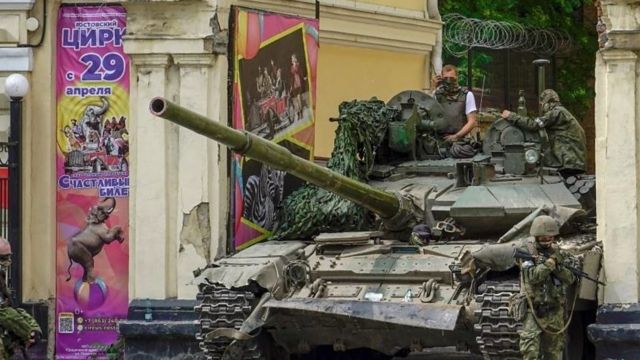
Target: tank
370 292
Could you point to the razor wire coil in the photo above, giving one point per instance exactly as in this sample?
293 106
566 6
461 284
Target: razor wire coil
461 34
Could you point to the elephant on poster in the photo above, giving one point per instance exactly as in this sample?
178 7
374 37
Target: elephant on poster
86 244
92 117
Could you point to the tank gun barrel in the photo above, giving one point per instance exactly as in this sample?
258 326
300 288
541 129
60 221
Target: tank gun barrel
385 204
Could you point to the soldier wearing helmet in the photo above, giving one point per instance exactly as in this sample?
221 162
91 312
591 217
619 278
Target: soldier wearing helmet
544 283
567 144
18 329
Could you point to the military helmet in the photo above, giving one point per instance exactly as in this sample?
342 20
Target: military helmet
5 247
544 225
549 95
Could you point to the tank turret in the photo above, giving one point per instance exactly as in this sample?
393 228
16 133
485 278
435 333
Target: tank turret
469 199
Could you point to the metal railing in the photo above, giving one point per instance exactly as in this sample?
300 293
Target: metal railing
4 197
4 189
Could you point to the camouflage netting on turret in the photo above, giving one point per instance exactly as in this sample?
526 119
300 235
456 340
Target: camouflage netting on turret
310 210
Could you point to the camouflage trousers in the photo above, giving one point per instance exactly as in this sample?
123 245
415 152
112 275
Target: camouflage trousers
536 344
4 355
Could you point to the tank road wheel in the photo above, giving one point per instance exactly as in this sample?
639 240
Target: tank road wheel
225 308
497 331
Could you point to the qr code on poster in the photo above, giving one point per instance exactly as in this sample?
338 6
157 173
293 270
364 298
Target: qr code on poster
65 323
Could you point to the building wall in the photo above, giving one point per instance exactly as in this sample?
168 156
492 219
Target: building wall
346 73
401 4
341 77
177 176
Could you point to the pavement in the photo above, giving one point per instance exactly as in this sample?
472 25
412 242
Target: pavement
447 353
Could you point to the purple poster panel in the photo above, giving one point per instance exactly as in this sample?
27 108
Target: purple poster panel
92 214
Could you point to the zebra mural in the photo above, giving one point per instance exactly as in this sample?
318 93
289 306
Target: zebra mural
263 196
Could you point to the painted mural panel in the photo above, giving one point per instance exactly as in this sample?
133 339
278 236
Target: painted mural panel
273 96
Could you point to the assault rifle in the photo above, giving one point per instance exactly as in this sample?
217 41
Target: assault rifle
524 255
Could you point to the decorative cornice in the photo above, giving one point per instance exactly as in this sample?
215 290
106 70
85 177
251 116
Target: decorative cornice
618 55
194 60
16 59
620 2
359 24
307 8
342 22
13 5
150 60
142 44
624 40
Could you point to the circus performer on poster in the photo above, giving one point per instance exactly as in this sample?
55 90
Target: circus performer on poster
278 86
77 130
72 140
296 86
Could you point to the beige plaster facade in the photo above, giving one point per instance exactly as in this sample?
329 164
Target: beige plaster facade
175 172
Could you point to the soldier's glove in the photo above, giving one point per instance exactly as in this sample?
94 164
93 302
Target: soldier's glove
550 263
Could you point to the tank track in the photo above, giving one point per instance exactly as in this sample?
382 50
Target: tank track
224 308
497 331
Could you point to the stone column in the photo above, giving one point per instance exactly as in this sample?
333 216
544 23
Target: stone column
616 332
172 186
616 173
148 172
194 183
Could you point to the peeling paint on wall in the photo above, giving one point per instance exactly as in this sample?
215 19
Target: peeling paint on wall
196 230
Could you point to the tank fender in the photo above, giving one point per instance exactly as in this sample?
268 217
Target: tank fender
262 263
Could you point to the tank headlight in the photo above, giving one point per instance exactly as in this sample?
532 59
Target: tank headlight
531 156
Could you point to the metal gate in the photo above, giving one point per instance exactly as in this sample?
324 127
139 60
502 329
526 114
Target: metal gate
4 199
4 190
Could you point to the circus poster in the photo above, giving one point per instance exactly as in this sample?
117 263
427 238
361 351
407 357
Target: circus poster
273 96
92 172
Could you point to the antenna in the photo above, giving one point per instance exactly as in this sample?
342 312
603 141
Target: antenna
481 93
540 64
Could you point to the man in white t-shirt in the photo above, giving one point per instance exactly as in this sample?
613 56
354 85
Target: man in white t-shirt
458 103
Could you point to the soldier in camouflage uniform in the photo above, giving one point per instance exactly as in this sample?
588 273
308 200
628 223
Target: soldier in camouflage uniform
545 285
18 329
567 142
